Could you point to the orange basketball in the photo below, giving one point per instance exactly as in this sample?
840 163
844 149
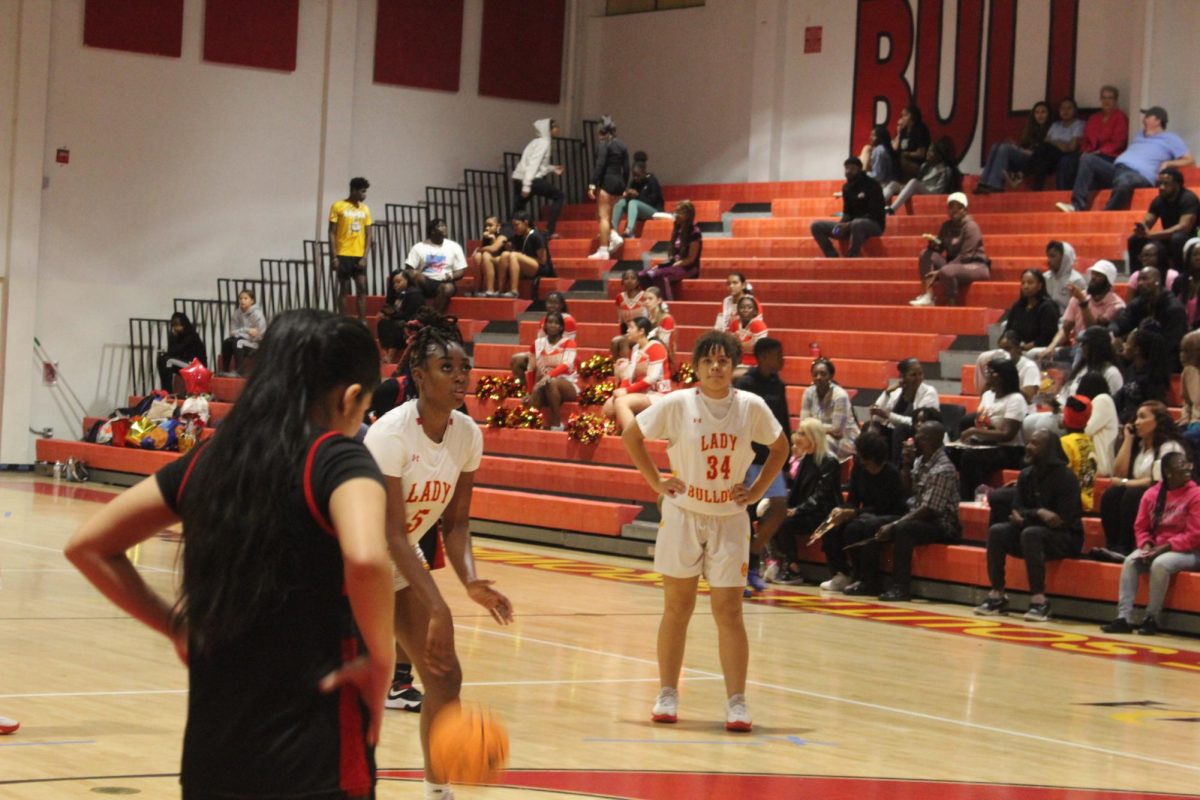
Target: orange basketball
468 744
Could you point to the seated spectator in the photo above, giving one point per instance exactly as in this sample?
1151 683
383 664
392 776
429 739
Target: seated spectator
911 142
1146 375
862 213
876 497
1154 306
932 518
1096 306
1189 385
659 315
815 491
1105 135
1046 524
529 255
738 286
997 423
1153 254
246 328
493 242
1150 151
553 380
683 255
1102 425
892 412
1060 273
644 380
1137 465
436 265
642 199
830 403
1008 161
1168 541
1096 357
533 171
556 302
955 257
1029 377
879 158
183 345
1034 316
1177 209
401 304
1187 286
1063 139
629 299
1078 447
938 175
748 329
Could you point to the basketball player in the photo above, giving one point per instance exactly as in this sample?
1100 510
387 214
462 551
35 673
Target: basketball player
429 451
705 529
286 574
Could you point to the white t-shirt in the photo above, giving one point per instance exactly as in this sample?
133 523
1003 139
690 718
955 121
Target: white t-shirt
1011 406
1112 376
428 470
1103 427
1028 373
1148 463
439 262
709 444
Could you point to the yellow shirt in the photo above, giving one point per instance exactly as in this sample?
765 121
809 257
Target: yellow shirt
1081 459
350 235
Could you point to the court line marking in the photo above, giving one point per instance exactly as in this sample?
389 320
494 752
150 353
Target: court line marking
1121 754
59 551
48 744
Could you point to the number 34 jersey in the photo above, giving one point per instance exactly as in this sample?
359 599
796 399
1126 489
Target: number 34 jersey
709 444
428 470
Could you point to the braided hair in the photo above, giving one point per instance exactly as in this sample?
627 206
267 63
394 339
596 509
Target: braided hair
428 331
1160 502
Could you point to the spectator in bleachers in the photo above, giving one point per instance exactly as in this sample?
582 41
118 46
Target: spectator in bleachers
938 175
892 412
1079 448
246 328
1046 524
1177 208
642 198
1137 465
1152 150
350 244
492 244
1008 161
401 304
1146 374
1105 135
683 254
1157 307
609 179
1153 253
553 380
1187 286
738 287
1189 387
1102 425
830 403
183 345
763 380
1096 357
1097 305
1168 541
532 174
932 518
1060 273
659 314
875 498
1029 377
814 492
748 329
530 255
911 142
955 257
556 302
629 299
879 158
647 377
436 264
1063 139
1034 316
862 217
1002 411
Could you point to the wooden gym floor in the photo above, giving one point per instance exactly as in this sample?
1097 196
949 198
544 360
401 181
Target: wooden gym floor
850 699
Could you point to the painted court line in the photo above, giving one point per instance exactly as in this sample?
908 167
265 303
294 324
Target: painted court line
58 550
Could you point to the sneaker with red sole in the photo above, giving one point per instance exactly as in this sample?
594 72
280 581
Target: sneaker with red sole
666 706
737 715
8 725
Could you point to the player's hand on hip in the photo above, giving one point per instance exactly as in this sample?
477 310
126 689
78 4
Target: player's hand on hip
741 495
481 592
371 677
671 486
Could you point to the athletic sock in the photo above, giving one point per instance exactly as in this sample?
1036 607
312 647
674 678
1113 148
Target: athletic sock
438 791
403 674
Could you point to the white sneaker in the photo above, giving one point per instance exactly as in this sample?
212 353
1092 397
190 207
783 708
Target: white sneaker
922 300
737 716
666 706
663 215
600 254
1065 207
438 791
836 583
771 570
8 725
615 240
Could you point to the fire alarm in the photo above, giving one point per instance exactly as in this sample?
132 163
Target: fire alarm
63 156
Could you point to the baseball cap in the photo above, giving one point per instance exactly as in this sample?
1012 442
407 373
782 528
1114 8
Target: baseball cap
1106 269
1157 111
957 197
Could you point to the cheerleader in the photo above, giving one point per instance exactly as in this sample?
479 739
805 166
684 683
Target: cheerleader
629 301
553 380
738 288
646 378
555 302
747 328
660 317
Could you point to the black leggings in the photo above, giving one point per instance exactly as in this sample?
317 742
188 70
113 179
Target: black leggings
1118 512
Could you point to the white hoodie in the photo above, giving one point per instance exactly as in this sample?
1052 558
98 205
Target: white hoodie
535 160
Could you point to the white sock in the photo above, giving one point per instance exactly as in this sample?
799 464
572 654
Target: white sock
438 791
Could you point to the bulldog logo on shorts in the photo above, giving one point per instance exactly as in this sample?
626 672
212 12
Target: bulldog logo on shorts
745 569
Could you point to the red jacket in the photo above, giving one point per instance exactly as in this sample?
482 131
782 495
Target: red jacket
1180 523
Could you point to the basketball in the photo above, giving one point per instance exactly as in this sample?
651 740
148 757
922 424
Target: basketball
468 744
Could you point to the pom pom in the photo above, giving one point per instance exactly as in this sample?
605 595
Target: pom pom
598 366
522 417
685 374
499 388
587 428
596 394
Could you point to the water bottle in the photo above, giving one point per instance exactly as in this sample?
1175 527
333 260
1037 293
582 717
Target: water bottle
981 494
814 350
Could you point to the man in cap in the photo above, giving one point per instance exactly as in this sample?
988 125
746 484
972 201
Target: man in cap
955 257
1098 304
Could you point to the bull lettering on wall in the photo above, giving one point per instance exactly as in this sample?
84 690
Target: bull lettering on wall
889 33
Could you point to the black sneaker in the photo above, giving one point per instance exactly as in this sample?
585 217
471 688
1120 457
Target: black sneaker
404 696
1038 612
1149 627
789 578
860 589
1118 625
992 607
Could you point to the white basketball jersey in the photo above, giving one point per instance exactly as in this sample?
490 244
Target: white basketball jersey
428 470
709 450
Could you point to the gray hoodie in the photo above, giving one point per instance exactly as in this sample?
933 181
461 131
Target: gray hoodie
242 322
535 160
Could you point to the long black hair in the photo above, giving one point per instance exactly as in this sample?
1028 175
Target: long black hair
238 562
189 331
1097 350
684 232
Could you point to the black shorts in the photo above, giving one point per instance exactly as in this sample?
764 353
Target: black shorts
613 185
350 266
430 287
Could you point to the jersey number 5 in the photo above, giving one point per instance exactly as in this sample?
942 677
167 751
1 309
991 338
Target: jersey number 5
713 468
415 522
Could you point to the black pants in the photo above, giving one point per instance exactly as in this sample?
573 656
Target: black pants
1044 160
166 373
1174 250
856 230
234 358
1118 512
856 530
541 187
906 537
1036 544
977 465
793 529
